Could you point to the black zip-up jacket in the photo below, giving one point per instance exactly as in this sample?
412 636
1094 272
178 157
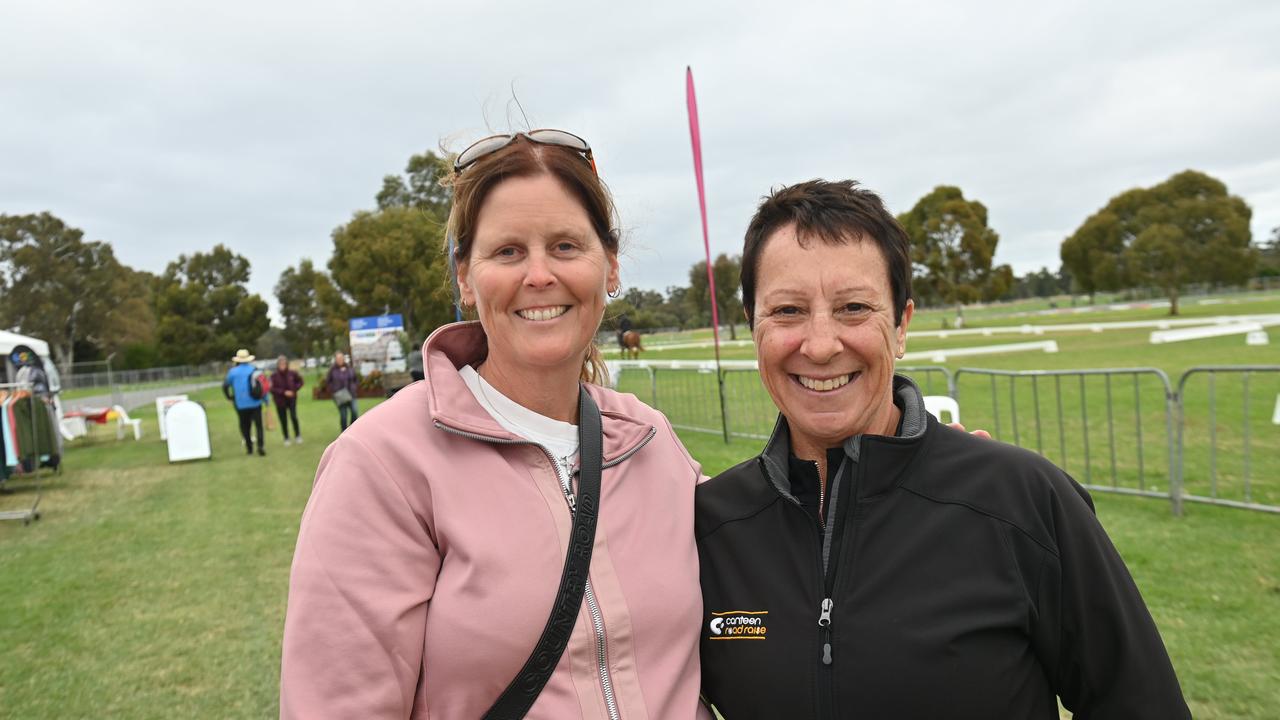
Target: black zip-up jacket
953 577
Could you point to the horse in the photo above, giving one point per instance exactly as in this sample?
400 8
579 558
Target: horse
631 346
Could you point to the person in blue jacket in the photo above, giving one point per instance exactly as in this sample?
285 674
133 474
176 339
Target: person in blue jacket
239 387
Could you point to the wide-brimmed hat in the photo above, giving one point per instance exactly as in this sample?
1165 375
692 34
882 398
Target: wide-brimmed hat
242 356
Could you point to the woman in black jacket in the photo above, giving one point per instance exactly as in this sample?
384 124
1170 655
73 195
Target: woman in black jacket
873 563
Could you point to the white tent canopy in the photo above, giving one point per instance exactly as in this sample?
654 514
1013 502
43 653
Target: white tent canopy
10 340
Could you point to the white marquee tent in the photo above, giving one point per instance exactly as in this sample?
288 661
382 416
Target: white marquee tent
10 340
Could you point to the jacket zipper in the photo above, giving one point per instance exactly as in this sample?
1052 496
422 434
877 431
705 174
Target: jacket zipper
826 528
822 504
825 669
566 486
597 617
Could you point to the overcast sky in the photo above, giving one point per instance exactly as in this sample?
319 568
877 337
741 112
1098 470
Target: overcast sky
168 127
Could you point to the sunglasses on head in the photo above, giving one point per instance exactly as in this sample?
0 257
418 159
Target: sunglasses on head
494 143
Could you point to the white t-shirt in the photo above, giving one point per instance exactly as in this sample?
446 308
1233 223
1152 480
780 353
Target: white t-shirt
560 438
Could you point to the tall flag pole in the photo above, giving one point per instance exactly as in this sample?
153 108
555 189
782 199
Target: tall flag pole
695 136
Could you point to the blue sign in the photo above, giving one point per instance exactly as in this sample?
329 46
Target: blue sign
377 322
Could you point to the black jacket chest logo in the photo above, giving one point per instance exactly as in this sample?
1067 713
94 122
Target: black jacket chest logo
738 625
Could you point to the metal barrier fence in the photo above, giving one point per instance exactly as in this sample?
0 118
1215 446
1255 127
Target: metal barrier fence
78 379
1112 429
1229 436
686 392
1215 439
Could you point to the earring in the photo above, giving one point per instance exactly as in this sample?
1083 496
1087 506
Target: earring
614 293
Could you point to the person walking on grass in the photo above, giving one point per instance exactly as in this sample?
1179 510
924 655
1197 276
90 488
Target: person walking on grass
341 381
285 384
243 386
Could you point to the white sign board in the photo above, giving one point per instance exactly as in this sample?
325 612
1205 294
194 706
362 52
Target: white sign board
188 432
375 344
162 405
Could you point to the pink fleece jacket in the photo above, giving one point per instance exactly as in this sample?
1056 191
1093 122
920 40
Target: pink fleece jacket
428 559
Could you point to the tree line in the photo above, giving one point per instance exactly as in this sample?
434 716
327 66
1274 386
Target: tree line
79 297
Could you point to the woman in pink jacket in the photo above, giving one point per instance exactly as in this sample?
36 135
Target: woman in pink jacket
434 541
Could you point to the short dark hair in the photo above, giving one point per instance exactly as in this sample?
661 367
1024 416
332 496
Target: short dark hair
836 212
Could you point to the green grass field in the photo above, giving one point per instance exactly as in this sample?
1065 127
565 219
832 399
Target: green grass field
151 590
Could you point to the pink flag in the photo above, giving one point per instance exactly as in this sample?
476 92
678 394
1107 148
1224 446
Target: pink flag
696 136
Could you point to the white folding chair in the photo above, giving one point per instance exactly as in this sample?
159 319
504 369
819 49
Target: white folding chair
938 404
123 419
72 428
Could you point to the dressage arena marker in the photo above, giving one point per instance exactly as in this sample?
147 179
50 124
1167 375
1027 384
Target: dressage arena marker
940 356
1199 333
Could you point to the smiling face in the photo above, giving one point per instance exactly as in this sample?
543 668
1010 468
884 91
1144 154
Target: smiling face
825 338
537 274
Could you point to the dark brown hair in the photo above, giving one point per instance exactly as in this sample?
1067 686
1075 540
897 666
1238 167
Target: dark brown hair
523 158
836 212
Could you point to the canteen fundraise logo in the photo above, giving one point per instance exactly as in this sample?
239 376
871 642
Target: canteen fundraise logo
738 625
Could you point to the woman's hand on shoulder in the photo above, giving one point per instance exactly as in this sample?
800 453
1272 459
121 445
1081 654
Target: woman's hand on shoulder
976 433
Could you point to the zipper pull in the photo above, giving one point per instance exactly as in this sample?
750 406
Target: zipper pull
824 619
824 622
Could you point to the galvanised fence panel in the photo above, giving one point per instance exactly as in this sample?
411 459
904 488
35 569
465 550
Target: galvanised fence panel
751 412
79 377
1111 429
686 392
637 380
689 398
932 379
1229 432
1215 438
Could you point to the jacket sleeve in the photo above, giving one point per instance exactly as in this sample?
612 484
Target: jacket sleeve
227 390
298 382
698 475
278 387
364 570
1094 635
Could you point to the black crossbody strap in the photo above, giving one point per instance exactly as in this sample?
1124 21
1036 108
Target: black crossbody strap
516 700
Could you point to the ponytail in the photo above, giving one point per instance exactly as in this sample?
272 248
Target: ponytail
594 370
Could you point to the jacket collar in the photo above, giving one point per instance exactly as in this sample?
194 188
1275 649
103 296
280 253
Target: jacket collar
452 405
886 457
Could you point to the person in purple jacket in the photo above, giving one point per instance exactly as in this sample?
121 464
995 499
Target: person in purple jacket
341 381
285 384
